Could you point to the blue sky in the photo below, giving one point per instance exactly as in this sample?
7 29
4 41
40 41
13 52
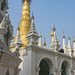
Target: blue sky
47 12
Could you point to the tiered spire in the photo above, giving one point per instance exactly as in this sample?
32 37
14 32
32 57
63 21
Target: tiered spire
32 35
18 43
40 41
64 44
69 47
52 35
44 43
55 45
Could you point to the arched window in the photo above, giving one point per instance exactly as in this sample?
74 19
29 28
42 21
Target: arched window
44 68
7 73
65 68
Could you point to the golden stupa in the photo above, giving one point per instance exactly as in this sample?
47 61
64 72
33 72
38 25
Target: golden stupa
24 24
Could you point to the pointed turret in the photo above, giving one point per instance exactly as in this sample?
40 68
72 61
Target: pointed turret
18 43
40 41
64 44
52 35
44 43
55 45
69 47
32 35
73 47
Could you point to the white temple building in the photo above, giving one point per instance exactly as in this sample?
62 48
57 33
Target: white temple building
27 55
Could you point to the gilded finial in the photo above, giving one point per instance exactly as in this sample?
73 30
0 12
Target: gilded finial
44 43
63 35
74 38
69 38
53 27
32 16
40 34
52 33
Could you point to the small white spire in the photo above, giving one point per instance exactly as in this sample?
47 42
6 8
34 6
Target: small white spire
55 45
52 35
69 47
64 44
18 43
44 43
32 35
40 41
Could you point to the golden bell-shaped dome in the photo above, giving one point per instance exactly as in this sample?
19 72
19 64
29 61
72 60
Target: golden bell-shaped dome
24 41
24 24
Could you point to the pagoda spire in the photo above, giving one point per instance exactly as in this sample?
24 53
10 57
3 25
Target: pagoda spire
69 47
64 44
32 35
40 41
52 35
44 43
24 25
55 45
18 43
